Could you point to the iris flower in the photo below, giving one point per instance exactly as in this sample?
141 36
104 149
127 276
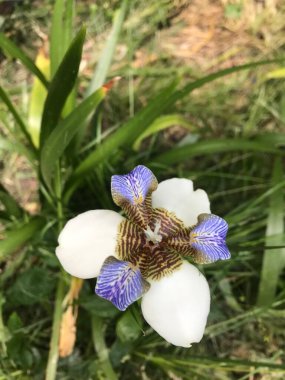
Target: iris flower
142 255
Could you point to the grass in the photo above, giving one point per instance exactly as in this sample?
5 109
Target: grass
227 135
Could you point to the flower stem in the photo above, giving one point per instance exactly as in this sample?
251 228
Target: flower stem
101 348
53 351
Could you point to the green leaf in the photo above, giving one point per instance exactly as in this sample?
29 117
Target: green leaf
30 287
15 239
98 306
161 123
11 145
57 36
276 74
128 328
129 132
8 46
61 136
68 23
11 206
210 364
209 147
61 86
37 99
5 334
22 127
273 260
105 60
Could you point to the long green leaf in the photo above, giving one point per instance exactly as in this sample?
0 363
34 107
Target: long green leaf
273 260
8 46
105 60
16 238
111 144
61 136
128 133
22 127
57 36
11 206
37 99
61 86
204 148
160 124
68 23
11 145
209 364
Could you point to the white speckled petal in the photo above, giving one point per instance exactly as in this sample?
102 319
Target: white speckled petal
177 195
87 240
177 306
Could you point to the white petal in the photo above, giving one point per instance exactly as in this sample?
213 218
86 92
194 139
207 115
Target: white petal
177 306
177 195
87 240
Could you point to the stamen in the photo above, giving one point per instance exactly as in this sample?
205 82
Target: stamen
153 236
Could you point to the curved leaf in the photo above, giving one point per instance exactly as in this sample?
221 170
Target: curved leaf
61 86
17 117
16 238
11 206
160 124
7 45
61 136
203 148
105 60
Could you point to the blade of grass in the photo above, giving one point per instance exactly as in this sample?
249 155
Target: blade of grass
180 154
16 238
16 146
57 315
160 124
61 136
8 46
105 60
68 30
101 348
61 86
129 132
18 119
213 363
68 23
10 204
57 36
273 260
37 99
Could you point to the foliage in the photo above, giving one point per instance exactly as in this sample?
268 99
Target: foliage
89 131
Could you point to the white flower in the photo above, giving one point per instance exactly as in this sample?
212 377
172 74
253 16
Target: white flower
142 256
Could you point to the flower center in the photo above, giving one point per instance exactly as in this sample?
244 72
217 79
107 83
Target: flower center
153 235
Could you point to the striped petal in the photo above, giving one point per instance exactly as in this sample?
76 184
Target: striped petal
132 192
120 282
208 239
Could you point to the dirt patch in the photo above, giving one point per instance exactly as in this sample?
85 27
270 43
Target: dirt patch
220 34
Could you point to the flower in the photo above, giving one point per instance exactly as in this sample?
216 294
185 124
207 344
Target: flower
141 255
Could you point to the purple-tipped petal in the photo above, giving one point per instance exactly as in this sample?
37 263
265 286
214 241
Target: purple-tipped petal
120 282
133 187
208 239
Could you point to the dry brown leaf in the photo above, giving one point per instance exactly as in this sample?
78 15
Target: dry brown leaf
67 335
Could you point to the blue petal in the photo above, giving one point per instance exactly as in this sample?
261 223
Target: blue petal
208 239
120 282
134 186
